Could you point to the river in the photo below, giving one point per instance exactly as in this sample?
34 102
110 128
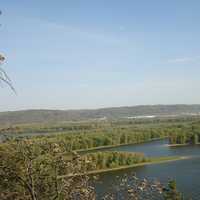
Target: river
185 172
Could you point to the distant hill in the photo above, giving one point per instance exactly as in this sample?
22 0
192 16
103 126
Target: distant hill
43 116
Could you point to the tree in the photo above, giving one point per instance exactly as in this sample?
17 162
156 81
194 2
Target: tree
40 171
171 193
194 139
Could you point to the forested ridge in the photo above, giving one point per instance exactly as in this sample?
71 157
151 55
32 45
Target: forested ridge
45 116
74 127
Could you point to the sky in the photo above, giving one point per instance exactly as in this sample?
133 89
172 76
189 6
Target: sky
75 54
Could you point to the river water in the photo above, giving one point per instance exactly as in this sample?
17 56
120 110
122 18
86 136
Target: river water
185 172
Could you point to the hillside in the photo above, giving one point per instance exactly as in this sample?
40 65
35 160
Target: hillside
34 116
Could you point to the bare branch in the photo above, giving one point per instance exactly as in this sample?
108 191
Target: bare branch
4 77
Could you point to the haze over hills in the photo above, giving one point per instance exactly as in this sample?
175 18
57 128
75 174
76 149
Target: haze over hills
45 116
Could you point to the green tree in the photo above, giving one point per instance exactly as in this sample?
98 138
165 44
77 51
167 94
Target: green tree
31 171
194 138
171 193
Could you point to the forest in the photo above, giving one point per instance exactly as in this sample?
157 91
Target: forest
85 136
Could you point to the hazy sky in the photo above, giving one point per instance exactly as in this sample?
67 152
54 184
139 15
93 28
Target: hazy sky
71 54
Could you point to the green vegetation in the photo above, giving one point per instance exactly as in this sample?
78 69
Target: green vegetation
97 136
112 161
105 138
93 126
48 167
51 128
107 160
91 135
118 113
171 192
186 135
30 171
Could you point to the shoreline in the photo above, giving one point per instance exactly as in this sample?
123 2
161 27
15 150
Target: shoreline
118 145
154 161
158 160
180 145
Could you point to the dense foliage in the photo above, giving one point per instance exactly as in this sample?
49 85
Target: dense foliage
108 160
106 138
129 134
186 135
87 135
33 171
171 192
